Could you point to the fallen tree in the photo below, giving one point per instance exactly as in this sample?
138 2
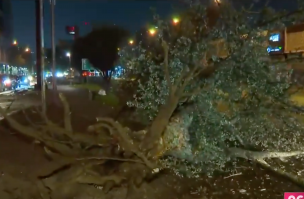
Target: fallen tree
182 99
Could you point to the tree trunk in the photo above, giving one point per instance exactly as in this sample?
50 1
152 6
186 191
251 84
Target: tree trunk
159 124
107 84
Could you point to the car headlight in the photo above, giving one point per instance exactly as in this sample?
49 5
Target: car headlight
7 81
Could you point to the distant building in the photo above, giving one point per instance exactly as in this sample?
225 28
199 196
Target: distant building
6 28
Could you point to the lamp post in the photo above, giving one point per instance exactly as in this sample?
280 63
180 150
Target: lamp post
69 56
53 2
40 46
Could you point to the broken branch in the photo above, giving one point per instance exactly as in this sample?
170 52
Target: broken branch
166 66
67 112
254 155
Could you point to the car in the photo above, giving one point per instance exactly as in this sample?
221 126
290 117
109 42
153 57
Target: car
23 81
14 81
5 83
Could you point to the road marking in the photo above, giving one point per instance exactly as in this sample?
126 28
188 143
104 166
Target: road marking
6 92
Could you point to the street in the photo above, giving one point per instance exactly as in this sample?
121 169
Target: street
16 99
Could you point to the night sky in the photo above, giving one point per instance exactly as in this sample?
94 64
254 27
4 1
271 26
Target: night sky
129 14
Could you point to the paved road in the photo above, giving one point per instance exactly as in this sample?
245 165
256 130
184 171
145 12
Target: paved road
17 99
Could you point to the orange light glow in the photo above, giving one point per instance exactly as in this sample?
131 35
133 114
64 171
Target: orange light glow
152 31
175 20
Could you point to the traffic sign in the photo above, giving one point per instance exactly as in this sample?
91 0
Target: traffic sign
86 65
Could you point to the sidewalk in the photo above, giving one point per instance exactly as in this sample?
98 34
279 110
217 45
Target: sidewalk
83 110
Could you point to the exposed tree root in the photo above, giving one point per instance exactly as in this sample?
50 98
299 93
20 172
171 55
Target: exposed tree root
259 158
108 154
84 156
258 155
296 179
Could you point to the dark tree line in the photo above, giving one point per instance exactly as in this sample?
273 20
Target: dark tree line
100 47
62 61
18 56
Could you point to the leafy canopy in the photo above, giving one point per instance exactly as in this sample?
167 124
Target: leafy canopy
223 69
100 47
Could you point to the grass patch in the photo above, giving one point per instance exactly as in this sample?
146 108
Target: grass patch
92 87
110 99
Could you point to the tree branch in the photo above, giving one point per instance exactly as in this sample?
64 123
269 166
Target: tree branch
67 112
125 140
254 155
166 66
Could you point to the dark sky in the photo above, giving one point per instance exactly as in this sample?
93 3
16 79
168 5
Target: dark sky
129 14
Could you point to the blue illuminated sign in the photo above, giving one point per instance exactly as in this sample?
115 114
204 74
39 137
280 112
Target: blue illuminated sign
274 37
274 49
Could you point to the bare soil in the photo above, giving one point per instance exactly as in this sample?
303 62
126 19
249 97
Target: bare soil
21 161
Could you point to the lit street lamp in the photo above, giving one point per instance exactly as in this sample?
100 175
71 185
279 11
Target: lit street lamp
15 42
152 31
69 56
175 20
27 50
131 42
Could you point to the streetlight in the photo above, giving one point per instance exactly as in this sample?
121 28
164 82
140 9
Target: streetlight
53 3
152 31
15 42
175 21
131 42
27 50
69 56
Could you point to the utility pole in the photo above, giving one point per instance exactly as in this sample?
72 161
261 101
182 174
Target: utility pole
53 2
39 52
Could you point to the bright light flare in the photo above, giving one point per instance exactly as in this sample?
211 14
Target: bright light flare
27 50
68 54
30 78
175 20
59 74
131 42
7 81
152 31
15 42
